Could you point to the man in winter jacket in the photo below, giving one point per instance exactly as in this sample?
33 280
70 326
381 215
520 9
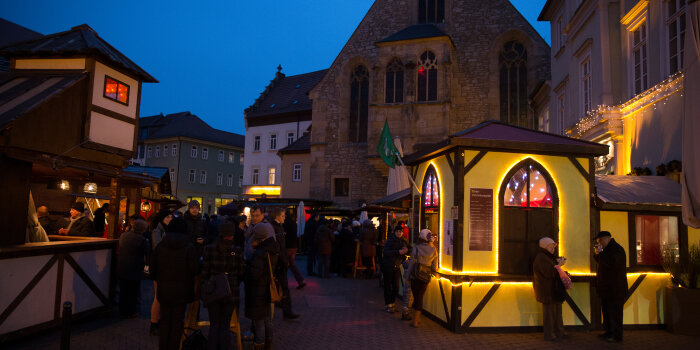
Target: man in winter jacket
395 249
611 281
548 289
278 216
195 226
310 240
174 265
80 225
133 249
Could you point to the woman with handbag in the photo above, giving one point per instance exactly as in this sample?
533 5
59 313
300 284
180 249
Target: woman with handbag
424 263
549 288
259 283
222 271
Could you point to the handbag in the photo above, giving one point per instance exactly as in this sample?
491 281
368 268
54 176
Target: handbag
215 289
275 288
421 272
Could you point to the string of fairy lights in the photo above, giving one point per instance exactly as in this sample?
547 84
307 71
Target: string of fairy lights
649 98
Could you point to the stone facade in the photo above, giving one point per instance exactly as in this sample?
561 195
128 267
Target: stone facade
468 87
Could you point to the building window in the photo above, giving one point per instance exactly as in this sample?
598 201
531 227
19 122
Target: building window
256 176
230 157
193 152
221 156
240 181
116 91
219 179
174 149
431 192
229 180
149 152
256 143
296 172
359 104
427 77
341 187
157 151
560 112
203 177
271 176
394 82
193 176
528 188
165 150
139 152
676 34
273 141
431 11
653 235
513 84
172 174
639 53
586 85
205 153
543 120
290 138
558 36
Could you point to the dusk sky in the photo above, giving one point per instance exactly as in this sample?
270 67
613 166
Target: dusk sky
213 58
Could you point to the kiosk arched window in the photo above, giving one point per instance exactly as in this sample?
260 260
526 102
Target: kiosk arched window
430 216
359 104
529 210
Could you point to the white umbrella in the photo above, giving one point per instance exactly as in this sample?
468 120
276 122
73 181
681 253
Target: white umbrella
690 176
398 175
301 218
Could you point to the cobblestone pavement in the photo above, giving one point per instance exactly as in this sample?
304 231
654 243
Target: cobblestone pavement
339 314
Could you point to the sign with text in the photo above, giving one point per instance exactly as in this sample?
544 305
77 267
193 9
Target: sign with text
448 241
481 219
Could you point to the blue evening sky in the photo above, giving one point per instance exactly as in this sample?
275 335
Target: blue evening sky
213 58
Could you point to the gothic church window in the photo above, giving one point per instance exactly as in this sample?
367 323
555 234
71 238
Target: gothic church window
359 104
394 81
513 84
427 77
431 11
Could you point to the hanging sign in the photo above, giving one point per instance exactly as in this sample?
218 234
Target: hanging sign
480 219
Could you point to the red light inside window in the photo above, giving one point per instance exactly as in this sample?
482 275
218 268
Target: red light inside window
116 90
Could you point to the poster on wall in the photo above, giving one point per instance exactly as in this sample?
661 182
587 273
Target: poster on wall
448 242
481 219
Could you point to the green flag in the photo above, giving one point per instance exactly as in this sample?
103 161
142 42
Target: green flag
386 149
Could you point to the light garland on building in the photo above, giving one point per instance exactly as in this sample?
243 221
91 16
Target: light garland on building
648 98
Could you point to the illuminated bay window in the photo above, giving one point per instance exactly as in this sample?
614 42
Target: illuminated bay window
271 176
359 104
116 91
427 77
394 82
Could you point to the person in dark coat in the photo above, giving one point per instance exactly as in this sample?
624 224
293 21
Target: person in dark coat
213 228
174 265
99 219
611 282
195 226
46 221
159 224
368 244
346 248
278 216
324 246
310 240
423 253
133 249
79 224
223 257
548 289
257 283
239 236
290 228
394 253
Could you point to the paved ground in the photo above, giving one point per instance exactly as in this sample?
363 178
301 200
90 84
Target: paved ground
344 314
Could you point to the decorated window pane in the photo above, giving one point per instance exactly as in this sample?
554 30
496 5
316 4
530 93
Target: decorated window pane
431 192
516 190
528 187
116 90
540 191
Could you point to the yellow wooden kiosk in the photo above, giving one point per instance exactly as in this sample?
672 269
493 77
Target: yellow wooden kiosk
491 192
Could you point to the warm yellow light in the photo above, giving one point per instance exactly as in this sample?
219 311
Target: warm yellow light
442 212
268 190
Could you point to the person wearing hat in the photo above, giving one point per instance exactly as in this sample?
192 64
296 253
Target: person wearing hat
158 230
257 282
424 258
549 289
278 216
222 257
195 225
133 249
80 225
394 253
611 284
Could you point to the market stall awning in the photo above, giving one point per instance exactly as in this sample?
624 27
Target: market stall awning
637 191
394 199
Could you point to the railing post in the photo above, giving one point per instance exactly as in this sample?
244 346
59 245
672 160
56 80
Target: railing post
66 325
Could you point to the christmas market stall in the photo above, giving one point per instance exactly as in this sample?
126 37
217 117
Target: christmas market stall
69 109
492 191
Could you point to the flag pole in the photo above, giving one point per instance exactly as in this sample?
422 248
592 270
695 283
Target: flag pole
409 175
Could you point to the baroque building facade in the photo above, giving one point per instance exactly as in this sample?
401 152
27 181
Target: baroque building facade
431 68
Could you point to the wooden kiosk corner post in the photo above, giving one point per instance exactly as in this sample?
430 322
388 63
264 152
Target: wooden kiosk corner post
114 197
15 181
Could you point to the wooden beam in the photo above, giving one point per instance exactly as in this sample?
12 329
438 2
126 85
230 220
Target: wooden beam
114 199
577 311
450 162
474 161
27 289
93 287
580 169
444 302
481 305
635 285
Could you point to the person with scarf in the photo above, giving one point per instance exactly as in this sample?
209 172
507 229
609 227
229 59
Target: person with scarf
424 260
158 230
262 260
549 289
394 253
80 225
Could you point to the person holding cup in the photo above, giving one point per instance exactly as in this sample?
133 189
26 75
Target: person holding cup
549 289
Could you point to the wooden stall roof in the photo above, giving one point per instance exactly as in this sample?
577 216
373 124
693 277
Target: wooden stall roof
498 136
653 193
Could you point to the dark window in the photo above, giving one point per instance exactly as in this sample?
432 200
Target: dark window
394 81
341 187
676 34
256 143
513 84
427 77
116 91
359 104
431 11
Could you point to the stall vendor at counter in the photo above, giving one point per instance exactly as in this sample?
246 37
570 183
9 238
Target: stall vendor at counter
79 224
492 192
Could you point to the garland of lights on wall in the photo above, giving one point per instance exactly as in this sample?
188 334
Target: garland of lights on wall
648 98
